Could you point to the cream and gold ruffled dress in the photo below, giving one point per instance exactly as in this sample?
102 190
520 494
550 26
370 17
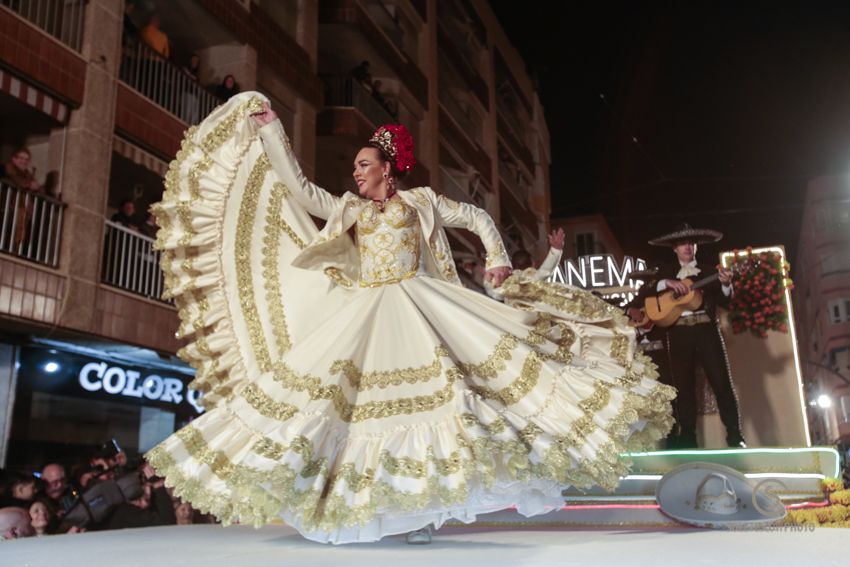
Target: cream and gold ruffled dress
352 387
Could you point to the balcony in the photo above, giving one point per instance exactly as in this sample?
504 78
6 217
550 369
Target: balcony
130 262
461 141
453 189
164 83
466 118
519 189
62 20
464 57
365 30
377 10
514 139
30 225
515 208
348 93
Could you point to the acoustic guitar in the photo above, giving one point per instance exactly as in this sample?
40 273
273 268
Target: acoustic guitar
666 308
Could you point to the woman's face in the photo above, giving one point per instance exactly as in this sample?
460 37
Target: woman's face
39 515
369 172
229 81
21 160
184 513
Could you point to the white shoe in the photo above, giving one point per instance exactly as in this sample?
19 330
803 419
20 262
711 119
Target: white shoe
419 537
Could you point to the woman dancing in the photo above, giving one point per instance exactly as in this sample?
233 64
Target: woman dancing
353 387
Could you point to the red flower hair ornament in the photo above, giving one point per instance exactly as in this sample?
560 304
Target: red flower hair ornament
397 143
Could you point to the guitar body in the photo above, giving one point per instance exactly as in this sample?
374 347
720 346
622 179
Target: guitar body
666 309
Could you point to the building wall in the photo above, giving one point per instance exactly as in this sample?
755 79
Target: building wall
288 59
821 296
604 241
70 298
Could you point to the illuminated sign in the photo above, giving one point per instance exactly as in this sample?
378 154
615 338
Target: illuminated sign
97 376
601 271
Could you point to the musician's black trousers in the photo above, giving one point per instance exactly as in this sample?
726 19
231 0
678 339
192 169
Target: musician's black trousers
689 346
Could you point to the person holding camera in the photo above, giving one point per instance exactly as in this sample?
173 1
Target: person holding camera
152 508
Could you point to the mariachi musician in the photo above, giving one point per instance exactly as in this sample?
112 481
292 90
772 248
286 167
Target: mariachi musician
695 336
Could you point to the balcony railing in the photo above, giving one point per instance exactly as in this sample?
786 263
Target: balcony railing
131 263
519 189
30 225
514 121
453 189
164 83
63 19
345 91
466 119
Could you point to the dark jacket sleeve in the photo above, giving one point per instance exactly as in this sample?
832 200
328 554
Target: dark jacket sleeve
160 513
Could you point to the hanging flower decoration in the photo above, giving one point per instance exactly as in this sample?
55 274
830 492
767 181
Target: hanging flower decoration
758 305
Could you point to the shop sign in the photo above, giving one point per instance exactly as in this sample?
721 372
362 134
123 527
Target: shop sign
118 381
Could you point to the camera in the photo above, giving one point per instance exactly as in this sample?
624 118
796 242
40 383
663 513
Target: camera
96 503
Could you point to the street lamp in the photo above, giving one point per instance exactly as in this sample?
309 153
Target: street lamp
824 401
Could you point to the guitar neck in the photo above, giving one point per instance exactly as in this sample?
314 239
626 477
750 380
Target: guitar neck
705 281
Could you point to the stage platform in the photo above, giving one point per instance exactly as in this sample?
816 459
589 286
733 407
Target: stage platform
793 473
280 546
593 528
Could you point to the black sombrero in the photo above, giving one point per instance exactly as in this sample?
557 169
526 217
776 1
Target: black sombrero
685 232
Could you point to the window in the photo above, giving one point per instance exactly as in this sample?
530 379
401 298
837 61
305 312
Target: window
838 311
845 408
835 262
832 219
585 243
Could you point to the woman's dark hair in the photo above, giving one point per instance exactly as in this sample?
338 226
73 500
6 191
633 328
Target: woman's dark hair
398 174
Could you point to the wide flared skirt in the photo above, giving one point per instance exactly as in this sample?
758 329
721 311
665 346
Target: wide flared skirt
419 402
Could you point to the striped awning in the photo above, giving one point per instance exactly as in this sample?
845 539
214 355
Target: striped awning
137 155
34 97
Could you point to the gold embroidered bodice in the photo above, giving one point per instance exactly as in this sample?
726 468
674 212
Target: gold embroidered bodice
388 243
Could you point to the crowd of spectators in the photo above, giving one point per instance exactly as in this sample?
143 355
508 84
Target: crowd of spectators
105 490
162 54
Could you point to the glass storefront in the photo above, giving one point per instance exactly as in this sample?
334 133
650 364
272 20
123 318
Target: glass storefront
67 403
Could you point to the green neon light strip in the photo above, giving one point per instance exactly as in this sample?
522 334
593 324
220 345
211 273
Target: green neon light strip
829 450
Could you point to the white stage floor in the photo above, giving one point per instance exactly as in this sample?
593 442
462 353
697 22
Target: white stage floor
242 546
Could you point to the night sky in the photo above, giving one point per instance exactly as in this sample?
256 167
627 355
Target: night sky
717 113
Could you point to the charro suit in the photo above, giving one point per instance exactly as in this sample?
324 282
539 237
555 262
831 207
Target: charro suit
696 339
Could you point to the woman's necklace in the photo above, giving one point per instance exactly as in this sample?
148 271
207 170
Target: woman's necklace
382 202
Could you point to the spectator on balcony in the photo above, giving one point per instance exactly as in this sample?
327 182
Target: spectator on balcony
193 67
130 27
227 88
17 172
149 228
15 523
191 108
379 97
155 38
125 213
361 74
